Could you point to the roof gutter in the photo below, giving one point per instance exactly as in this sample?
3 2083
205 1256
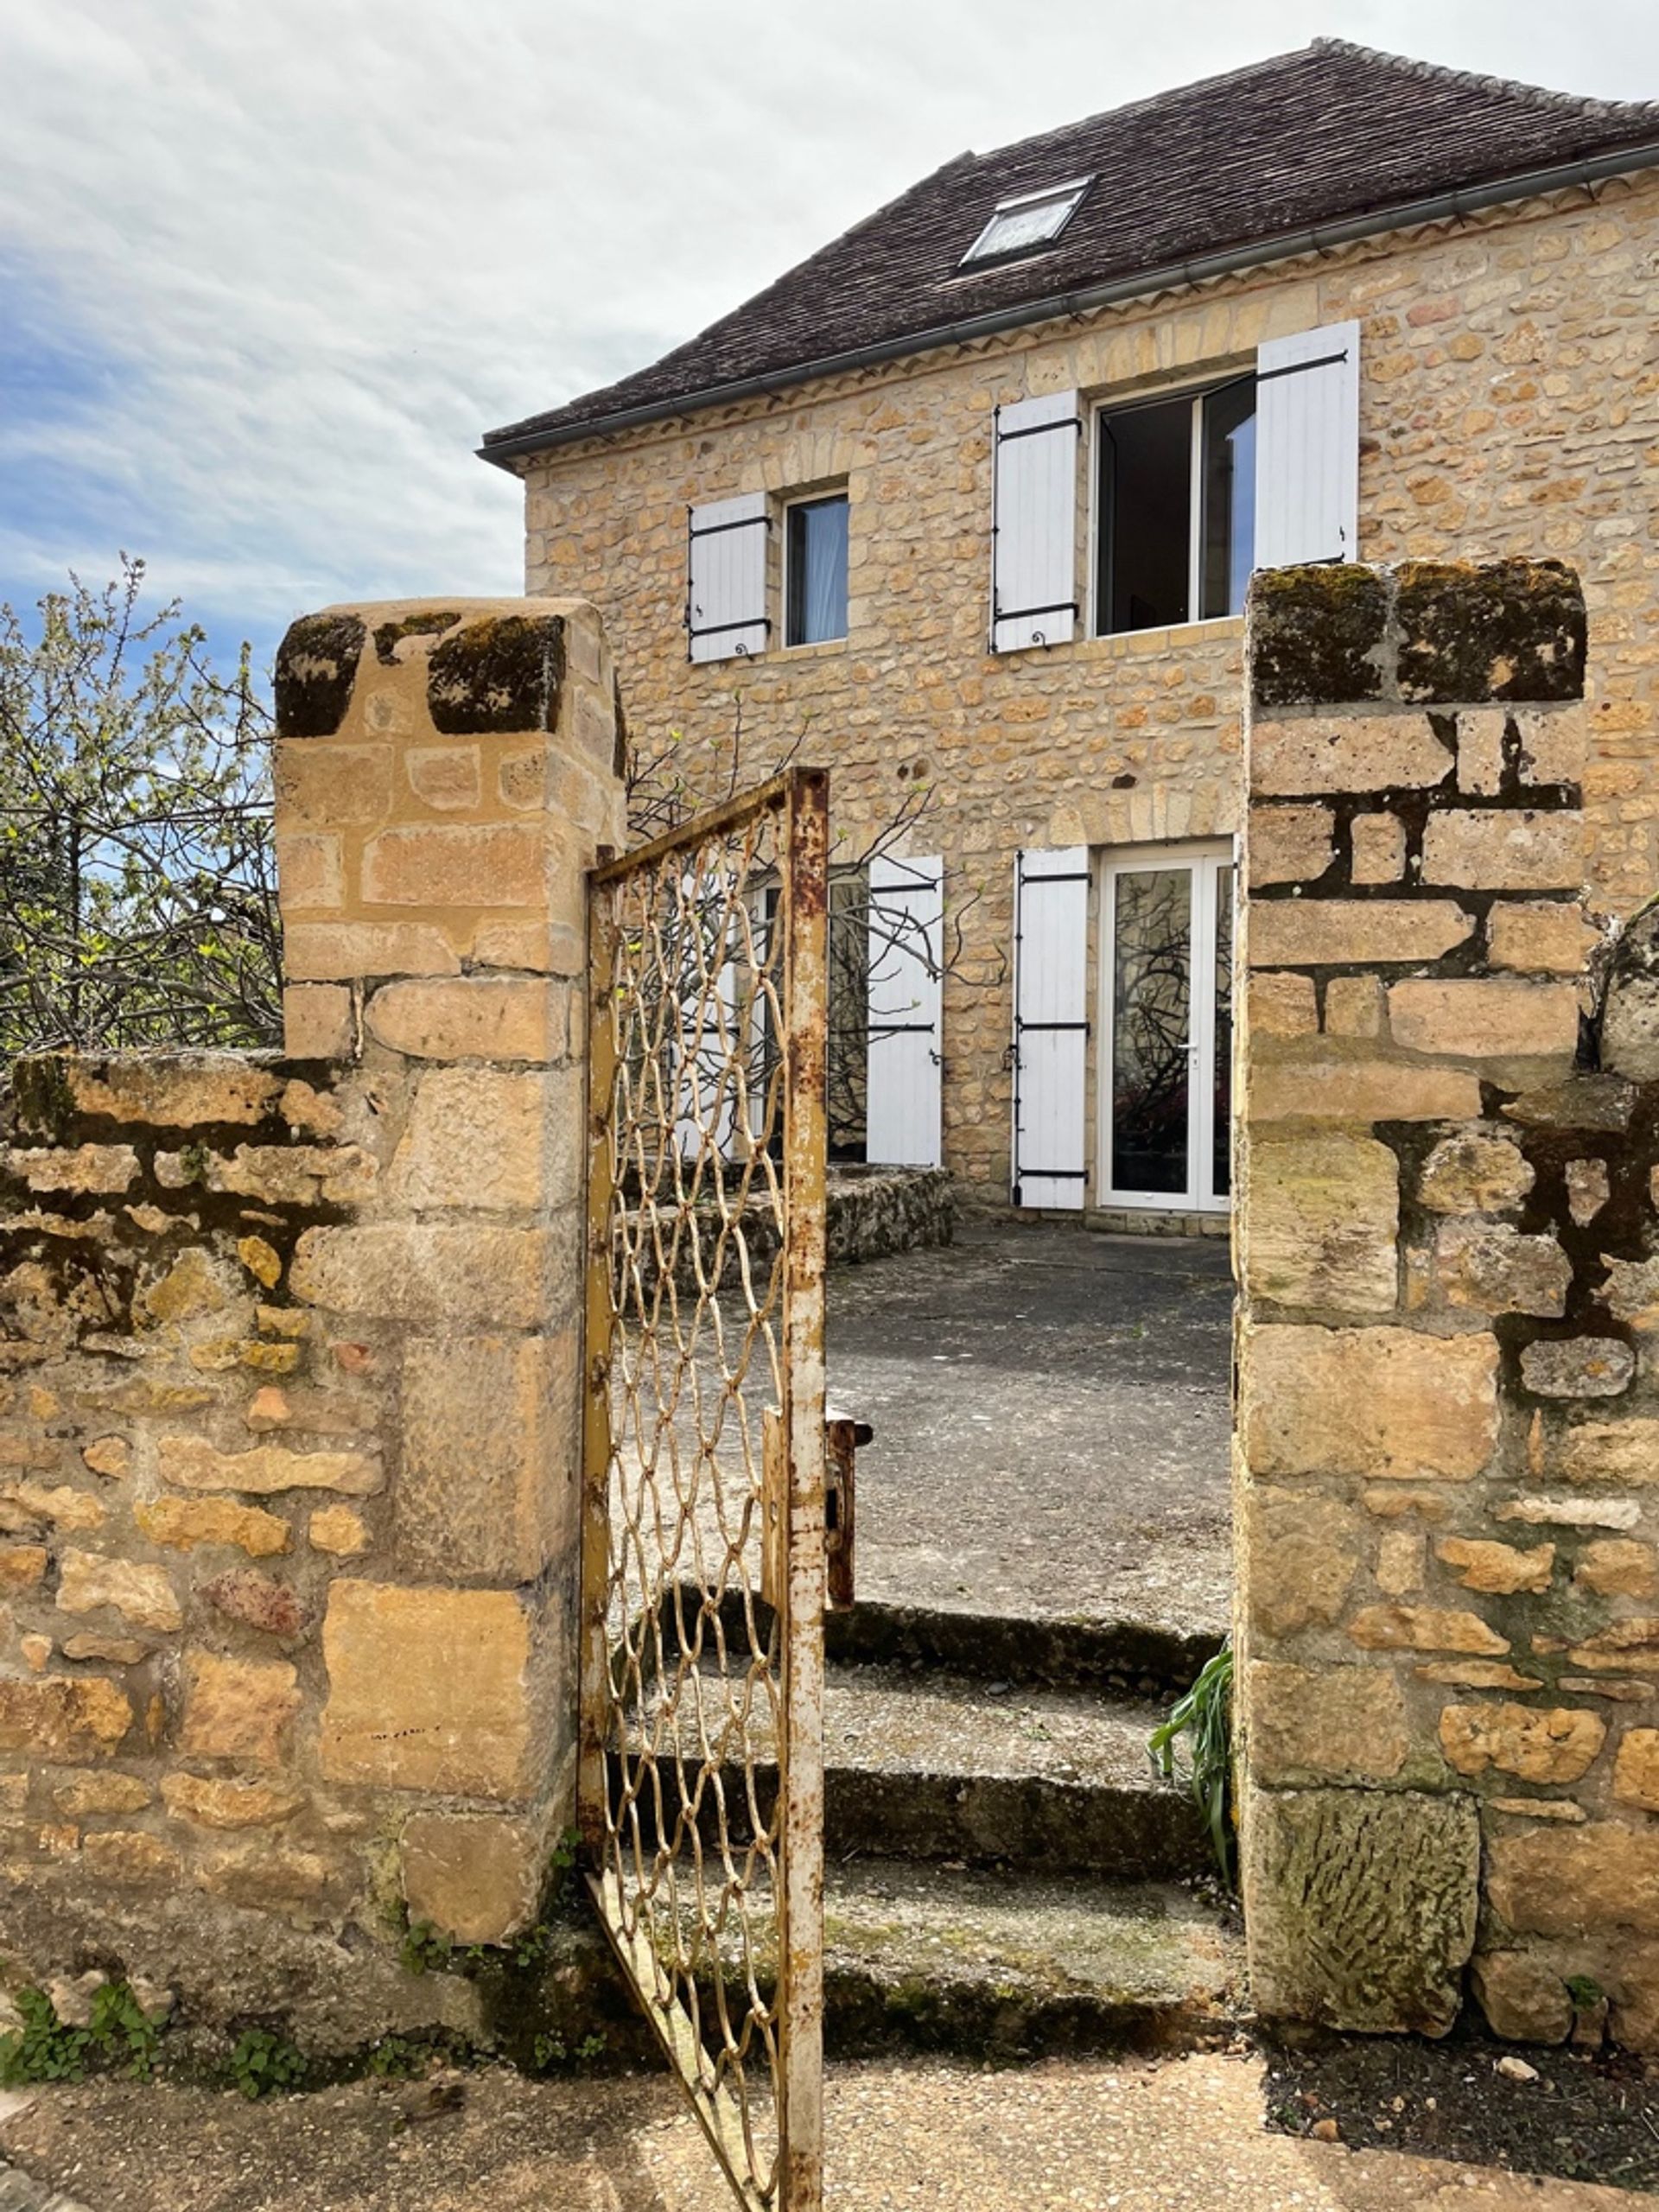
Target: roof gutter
1320 237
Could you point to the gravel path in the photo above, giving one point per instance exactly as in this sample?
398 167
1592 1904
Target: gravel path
1051 1421
1172 2136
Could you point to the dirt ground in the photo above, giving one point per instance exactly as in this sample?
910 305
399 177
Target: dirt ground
1051 1413
1143 2136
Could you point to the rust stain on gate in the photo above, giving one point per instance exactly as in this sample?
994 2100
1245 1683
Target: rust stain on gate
700 1787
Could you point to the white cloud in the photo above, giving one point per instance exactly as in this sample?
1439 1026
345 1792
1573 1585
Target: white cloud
319 246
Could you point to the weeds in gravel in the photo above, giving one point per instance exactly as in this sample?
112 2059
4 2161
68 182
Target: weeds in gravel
552 2054
262 2064
1205 1716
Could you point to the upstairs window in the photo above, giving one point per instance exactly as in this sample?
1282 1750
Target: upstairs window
1027 220
815 570
1175 507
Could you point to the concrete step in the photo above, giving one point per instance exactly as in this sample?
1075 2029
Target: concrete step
1131 1658
1008 1966
938 1767
1120 1657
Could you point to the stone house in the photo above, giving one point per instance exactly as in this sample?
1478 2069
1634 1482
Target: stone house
963 507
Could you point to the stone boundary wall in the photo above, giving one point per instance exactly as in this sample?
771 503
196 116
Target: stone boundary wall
1448 1602
288 1375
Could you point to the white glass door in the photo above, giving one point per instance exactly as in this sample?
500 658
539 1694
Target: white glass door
1166 987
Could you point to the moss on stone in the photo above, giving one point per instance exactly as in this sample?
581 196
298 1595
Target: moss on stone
316 669
388 636
1469 631
501 673
44 1096
1317 634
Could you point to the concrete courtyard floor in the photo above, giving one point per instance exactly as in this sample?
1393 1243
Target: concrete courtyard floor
1177 2135
1051 1409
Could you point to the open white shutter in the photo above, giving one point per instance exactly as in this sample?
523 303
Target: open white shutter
726 578
1050 1027
1307 446
1034 523
906 925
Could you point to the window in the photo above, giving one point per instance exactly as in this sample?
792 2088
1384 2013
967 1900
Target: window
1175 507
1026 221
815 570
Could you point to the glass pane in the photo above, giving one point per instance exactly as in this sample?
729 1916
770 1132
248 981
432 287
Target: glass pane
1152 1014
1220 1164
1229 496
816 560
1145 522
1011 230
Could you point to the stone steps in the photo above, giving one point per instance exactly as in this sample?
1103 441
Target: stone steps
932 1767
1008 1964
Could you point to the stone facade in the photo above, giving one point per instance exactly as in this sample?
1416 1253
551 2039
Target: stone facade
288 1374
1506 407
1449 1401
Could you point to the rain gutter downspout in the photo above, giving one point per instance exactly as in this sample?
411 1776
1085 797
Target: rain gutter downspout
1318 237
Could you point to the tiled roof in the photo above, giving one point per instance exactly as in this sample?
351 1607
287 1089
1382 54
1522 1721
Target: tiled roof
1328 134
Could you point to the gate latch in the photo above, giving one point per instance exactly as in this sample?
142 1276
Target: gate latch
842 1436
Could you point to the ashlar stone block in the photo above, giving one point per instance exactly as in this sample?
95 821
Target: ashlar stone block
1324 1217
1330 1724
1360 1905
1371 1403
474 1876
428 1689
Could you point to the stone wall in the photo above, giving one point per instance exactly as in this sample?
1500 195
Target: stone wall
1448 1604
288 1354
1506 407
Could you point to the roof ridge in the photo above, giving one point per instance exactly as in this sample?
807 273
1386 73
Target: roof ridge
1153 100
1481 80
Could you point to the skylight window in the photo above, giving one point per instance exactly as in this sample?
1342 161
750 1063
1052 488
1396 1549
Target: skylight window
1027 220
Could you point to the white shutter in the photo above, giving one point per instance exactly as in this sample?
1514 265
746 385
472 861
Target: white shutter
726 578
1050 1027
906 926
1307 446
703 946
1034 523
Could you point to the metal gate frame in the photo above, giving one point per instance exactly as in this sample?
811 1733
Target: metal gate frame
792 1513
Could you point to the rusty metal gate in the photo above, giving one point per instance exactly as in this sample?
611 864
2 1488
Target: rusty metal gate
701 1776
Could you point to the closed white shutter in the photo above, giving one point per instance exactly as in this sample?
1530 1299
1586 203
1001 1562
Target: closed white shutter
1050 1027
906 926
726 578
1034 523
704 943
1307 446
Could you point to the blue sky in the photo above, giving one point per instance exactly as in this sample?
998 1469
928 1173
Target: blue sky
266 271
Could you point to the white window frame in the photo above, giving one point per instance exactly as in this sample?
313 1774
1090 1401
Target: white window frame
1196 394
831 491
1205 860
1071 190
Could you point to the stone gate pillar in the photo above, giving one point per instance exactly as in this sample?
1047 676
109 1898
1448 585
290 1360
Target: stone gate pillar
444 778
290 1413
1431 1532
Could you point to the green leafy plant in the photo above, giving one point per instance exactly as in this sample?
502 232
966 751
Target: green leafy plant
552 2053
44 2048
263 2063
118 2037
1203 1716
121 2033
426 1949
397 2058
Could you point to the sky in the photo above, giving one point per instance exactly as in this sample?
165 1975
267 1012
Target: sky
269 268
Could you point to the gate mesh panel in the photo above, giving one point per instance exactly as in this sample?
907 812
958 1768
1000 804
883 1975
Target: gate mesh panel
704 1331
